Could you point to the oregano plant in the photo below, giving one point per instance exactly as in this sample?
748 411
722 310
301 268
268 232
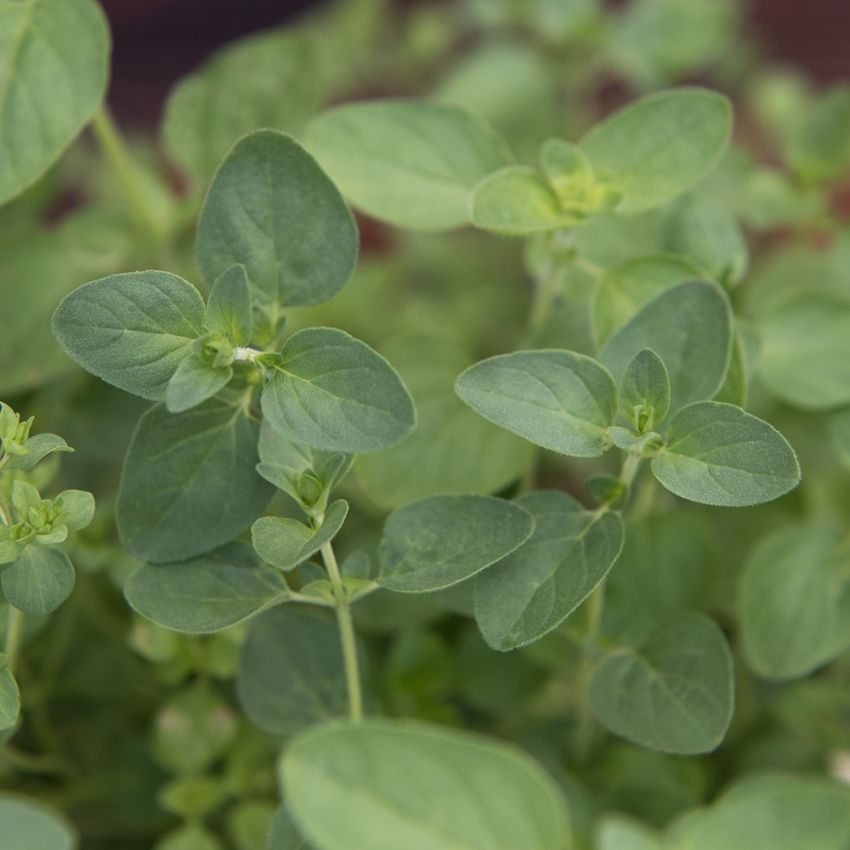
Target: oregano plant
465 395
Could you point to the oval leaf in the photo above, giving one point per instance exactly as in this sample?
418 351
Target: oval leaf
555 399
331 391
794 602
674 693
517 201
659 147
689 327
39 581
28 825
458 791
717 454
272 209
10 697
410 163
804 353
206 594
54 68
534 589
285 542
291 671
132 330
189 482
438 542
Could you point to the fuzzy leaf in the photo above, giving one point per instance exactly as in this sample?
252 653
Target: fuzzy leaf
39 581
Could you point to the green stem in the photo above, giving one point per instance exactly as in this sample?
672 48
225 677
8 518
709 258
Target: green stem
121 162
14 635
346 634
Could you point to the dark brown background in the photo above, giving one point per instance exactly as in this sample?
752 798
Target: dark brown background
157 41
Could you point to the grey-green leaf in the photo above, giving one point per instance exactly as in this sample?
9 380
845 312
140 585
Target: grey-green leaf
674 693
208 593
794 602
283 834
54 68
285 543
194 382
291 672
269 79
189 482
458 791
410 163
39 581
769 812
331 391
10 697
29 825
230 309
660 146
443 540
272 209
717 454
644 395
689 326
132 330
555 399
535 588
38 448
804 353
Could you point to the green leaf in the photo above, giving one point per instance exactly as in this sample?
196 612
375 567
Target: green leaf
75 509
284 835
208 593
555 399
839 431
270 79
536 587
705 230
438 542
285 543
794 602
630 285
453 450
517 201
769 813
291 671
28 825
615 832
717 454
193 382
230 309
644 395
660 146
272 209
298 470
38 448
804 356
39 581
132 330
735 389
190 836
674 693
189 483
689 327
10 697
819 147
458 790
331 391
54 68
410 163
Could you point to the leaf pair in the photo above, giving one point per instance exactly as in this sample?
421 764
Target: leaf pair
37 576
432 167
714 453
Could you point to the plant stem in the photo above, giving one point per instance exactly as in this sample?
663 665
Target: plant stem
14 634
629 469
121 162
346 634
